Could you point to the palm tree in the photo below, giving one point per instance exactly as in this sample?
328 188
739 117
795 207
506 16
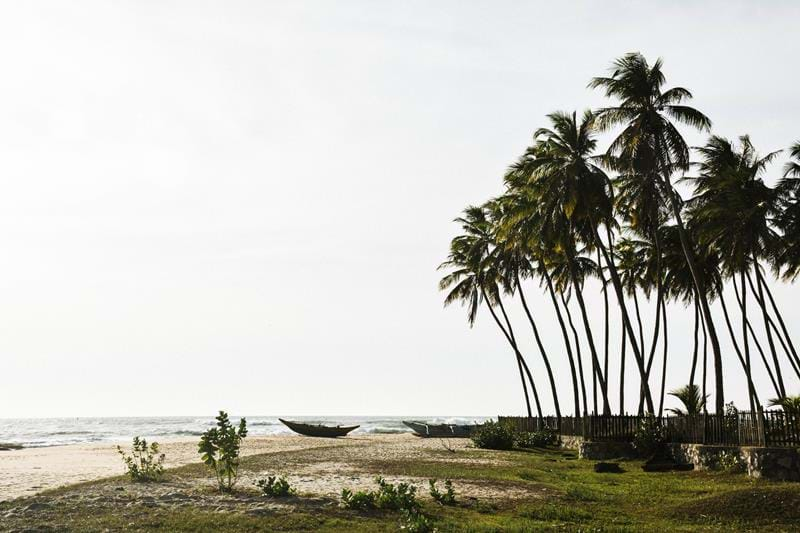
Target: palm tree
472 283
691 398
650 145
732 210
790 404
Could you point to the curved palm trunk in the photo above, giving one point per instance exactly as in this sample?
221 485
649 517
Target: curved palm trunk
605 318
622 371
522 359
578 353
746 344
639 321
747 372
513 344
705 365
612 269
770 342
769 325
587 326
781 322
541 349
567 344
664 367
688 252
746 324
694 349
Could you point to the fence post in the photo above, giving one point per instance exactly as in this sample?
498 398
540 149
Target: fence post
762 433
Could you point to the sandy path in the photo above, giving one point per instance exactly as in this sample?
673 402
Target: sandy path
28 471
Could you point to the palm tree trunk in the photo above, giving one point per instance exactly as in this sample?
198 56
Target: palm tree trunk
744 336
567 342
781 322
605 316
590 338
639 320
760 298
664 367
746 324
699 285
622 371
514 347
747 373
541 349
705 365
580 357
522 359
612 269
769 324
694 349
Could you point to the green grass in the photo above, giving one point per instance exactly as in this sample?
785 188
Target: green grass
548 490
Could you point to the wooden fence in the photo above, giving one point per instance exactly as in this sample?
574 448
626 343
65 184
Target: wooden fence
763 428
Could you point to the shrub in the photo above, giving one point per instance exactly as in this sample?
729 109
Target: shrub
730 462
448 497
494 436
275 487
416 522
220 446
144 463
360 500
536 439
649 437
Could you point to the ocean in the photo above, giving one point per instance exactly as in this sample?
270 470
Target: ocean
37 432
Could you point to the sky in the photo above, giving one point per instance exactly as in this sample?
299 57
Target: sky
242 205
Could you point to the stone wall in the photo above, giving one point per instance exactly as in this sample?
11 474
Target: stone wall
598 450
760 462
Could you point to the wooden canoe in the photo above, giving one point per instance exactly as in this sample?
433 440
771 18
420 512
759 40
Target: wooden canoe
440 431
317 430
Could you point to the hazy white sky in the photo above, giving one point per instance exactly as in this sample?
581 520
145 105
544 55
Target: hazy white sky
242 205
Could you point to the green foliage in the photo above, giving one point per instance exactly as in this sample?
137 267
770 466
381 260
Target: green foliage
730 462
790 404
144 463
360 500
219 448
691 398
650 436
416 522
275 487
494 436
448 497
536 439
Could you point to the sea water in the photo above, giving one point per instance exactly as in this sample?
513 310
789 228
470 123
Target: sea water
36 432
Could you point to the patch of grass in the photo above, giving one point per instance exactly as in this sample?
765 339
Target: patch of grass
555 512
580 493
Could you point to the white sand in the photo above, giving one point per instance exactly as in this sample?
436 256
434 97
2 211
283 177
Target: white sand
31 470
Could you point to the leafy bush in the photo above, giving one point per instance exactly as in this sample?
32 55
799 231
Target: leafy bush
220 446
275 487
448 497
494 436
730 462
536 439
416 522
360 500
144 463
649 437
388 496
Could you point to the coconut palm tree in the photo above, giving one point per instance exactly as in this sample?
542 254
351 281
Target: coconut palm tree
472 281
732 210
790 404
650 145
691 398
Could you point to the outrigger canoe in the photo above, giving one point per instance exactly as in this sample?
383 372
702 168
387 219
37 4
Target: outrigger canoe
318 430
423 429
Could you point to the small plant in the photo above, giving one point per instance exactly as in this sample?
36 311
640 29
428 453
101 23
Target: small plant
730 462
391 496
220 446
448 497
144 463
649 437
275 487
360 500
494 436
416 522
536 439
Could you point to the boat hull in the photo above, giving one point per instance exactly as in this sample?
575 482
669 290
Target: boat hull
315 430
440 431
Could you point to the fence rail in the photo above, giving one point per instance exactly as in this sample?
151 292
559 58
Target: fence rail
762 428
